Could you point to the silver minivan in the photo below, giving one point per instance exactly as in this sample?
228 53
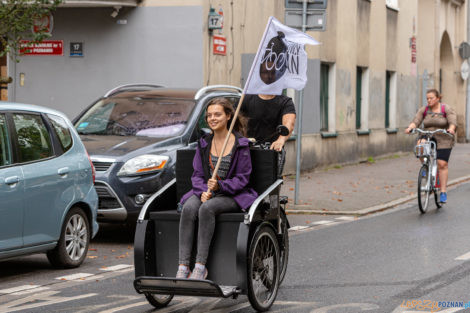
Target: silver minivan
47 199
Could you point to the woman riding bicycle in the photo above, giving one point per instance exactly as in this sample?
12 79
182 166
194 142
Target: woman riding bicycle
437 115
228 193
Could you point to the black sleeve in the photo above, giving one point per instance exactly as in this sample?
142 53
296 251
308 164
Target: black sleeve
288 106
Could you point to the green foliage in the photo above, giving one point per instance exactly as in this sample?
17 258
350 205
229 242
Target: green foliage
370 160
17 20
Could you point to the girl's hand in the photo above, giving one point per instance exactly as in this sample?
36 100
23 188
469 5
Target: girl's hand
205 196
212 184
451 131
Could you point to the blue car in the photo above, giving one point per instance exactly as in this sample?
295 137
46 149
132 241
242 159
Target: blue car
47 199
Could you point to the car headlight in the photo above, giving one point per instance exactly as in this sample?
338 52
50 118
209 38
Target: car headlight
143 164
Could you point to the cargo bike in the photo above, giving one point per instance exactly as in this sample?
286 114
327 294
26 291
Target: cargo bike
249 250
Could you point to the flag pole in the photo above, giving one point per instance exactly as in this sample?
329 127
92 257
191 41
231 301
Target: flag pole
235 115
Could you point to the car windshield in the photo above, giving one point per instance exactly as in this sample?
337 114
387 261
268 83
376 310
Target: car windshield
150 117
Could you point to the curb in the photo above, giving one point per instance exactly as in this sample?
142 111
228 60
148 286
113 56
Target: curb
304 209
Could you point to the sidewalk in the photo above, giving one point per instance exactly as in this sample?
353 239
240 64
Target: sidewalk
367 187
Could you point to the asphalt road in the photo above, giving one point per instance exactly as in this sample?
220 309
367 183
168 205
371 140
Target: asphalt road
337 264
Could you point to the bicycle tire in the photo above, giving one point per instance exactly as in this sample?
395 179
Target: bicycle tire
437 200
423 190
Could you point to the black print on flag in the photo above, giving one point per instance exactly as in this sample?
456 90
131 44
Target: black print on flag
280 56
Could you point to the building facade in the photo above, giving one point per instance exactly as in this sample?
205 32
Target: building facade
366 79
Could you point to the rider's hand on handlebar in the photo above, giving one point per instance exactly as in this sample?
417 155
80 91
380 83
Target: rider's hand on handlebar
277 145
205 196
409 130
451 131
212 184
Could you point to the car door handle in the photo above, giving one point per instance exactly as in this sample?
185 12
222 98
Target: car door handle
63 171
12 180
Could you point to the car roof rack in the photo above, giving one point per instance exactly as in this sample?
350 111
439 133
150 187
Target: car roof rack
129 86
206 89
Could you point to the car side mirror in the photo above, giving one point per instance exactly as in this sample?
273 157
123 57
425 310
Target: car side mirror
282 130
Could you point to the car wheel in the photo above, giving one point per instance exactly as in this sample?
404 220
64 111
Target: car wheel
74 240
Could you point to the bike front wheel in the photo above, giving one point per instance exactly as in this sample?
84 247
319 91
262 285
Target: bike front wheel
424 188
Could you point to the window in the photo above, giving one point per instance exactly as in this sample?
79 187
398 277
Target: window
147 116
324 88
390 100
358 96
62 131
34 142
4 142
387 100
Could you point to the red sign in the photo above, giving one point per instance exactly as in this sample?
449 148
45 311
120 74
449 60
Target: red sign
413 49
46 47
220 46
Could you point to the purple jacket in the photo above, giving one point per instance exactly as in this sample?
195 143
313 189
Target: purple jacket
238 175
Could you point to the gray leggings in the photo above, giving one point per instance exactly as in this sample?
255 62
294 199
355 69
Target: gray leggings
194 209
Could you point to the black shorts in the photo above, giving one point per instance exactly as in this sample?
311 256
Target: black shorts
442 154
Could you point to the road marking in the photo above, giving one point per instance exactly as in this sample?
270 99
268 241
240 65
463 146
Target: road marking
298 228
116 267
74 276
133 305
25 292
39 300
324 222
18 289
464 257
333 308
346 218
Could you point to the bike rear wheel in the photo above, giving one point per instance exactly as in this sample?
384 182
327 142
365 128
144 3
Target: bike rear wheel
424 188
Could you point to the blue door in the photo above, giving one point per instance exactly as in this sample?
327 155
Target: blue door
11 194
46 179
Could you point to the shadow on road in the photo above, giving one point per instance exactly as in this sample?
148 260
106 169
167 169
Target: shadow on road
114 233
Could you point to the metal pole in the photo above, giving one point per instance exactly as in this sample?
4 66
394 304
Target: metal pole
299 120
467 111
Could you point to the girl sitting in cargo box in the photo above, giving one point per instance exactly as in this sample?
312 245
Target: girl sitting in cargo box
228 193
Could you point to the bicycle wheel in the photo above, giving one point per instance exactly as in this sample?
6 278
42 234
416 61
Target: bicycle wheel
436 199
284 247
423 188
263 269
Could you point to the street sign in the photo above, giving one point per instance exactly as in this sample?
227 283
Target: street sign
311 4
219 45
76 49
316 19
464 70
464 50
45 47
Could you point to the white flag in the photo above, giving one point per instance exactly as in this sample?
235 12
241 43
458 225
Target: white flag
281 60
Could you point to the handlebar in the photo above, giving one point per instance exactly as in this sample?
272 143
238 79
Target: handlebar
430 132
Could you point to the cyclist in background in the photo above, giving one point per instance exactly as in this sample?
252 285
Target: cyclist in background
438 115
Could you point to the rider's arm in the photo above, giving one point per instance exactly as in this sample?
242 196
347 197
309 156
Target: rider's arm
451 119
288 120
198 180
410 127
417 120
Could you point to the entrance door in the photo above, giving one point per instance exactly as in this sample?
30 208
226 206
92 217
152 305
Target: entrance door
3 73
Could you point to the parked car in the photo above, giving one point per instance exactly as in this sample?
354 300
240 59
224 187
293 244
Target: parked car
132 134
47 199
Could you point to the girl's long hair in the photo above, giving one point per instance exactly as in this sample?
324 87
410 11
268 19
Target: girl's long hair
241 121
